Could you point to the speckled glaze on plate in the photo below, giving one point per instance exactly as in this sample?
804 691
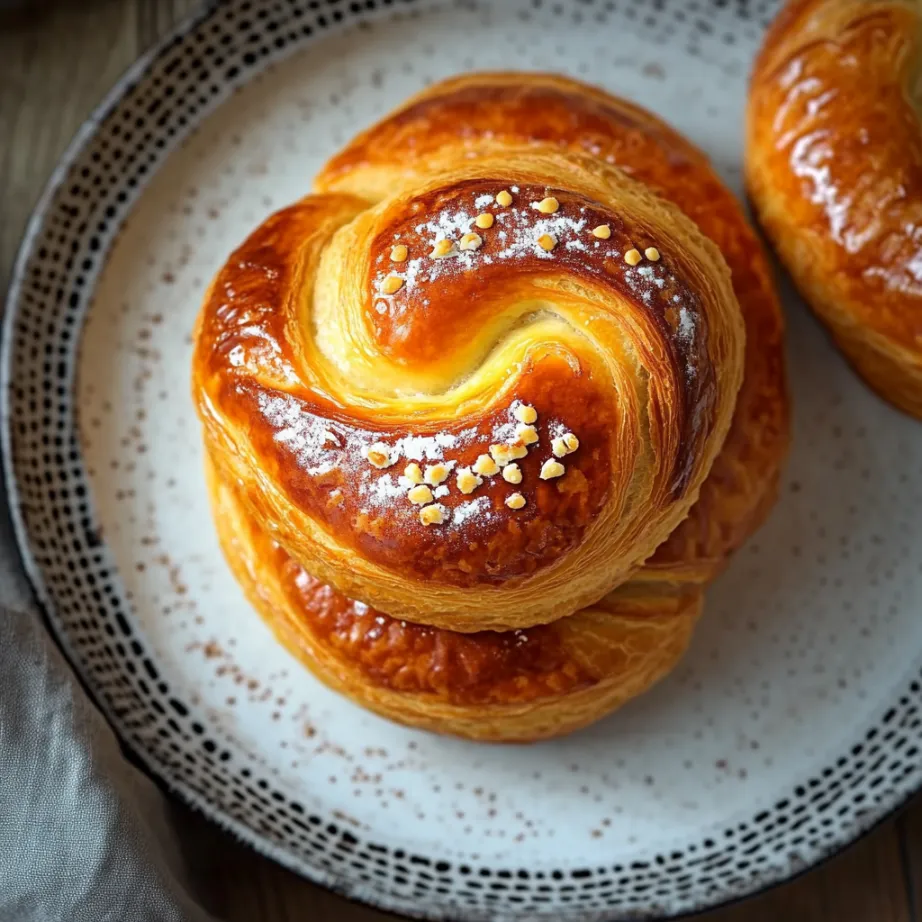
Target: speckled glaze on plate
792 725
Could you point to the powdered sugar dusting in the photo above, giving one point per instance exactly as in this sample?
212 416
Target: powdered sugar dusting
686 324
426 447
447 224
319 450
649 273
375 464
518 230
504 432
648 281
306 435
526 231
473 509
686 333
380 491
557 429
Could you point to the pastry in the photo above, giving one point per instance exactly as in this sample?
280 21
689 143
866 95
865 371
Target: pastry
497 686
356 356
834 167
449 674
570 115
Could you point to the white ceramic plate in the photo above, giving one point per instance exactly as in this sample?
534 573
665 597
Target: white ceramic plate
793 723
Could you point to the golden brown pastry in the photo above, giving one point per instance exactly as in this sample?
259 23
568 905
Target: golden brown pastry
350 338
571 116
501 686
834 167
551 679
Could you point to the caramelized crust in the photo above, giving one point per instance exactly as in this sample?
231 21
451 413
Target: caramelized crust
834 167
544 680
305 360
571 116
516 686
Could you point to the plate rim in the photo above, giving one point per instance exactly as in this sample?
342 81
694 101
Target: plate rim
132 77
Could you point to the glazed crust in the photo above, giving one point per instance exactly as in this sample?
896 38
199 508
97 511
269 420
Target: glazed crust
834 167
301 363
515 686
554 678
546 109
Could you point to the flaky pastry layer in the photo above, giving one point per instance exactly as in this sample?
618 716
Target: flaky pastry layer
540 109
310 356
834 167
549 679
514 686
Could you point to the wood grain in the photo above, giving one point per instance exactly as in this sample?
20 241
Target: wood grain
56 62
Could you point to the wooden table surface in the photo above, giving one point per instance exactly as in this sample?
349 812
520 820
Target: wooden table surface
56 62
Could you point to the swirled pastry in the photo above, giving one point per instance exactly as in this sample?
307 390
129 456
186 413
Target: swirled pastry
546 680
585 339
834 167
